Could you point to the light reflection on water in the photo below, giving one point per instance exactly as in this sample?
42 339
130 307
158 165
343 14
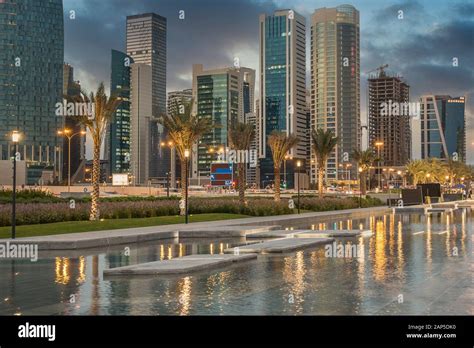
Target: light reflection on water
425 258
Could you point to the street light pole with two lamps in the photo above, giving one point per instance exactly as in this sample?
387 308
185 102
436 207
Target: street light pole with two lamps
67 133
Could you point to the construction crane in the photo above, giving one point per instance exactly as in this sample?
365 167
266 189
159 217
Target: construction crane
380 69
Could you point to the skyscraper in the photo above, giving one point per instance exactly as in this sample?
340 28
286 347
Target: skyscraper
72 88
389 118
146 44
335 82
118 136
31 79
282 84
223 96
140 114
443 127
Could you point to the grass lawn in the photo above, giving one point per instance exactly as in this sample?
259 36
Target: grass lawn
112 224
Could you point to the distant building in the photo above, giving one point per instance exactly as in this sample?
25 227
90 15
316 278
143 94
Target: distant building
72 88
174 100
389 118
253 171
146 44
118 133
104 172
223 96
140 120
335 83
282 85
31 80
177 96
443 127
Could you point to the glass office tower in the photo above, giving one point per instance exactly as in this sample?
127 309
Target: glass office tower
335 83
282 86
146 44
443 127
223 96
118 140
31 80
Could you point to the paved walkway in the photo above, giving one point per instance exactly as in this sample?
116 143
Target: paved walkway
143 234
186 264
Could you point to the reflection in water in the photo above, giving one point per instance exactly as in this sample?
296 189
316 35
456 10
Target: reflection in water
380 259
62 271
184 295
82 270
293 274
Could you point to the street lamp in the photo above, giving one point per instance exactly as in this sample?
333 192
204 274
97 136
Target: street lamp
67 133
298 165
15 140
360 187
186 156
379 144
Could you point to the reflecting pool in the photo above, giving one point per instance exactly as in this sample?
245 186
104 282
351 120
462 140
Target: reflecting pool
412 264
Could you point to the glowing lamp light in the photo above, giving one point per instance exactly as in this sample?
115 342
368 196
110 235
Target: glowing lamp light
15 136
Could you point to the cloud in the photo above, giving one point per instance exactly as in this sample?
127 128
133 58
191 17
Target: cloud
420 47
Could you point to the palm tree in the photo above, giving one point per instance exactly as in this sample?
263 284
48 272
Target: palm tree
323 142
103 110
184 129
456 170
240 138
418 170
365 160
280 144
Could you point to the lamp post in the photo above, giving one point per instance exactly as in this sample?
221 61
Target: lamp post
186 155
66 132
284 169
360 187
15 140
298 165
379 144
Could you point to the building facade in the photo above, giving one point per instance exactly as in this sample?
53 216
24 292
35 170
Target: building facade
282 85
146 44
224 96
443 127
335 83
140 119
118 133
72 89
389 118
31 79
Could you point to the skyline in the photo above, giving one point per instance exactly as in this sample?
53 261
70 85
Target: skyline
417 47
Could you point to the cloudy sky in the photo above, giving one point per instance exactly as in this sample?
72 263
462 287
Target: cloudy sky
420 47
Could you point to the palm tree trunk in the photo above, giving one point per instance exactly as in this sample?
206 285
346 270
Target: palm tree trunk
363 183
320 181
277 182
183 177
241 169
94 213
